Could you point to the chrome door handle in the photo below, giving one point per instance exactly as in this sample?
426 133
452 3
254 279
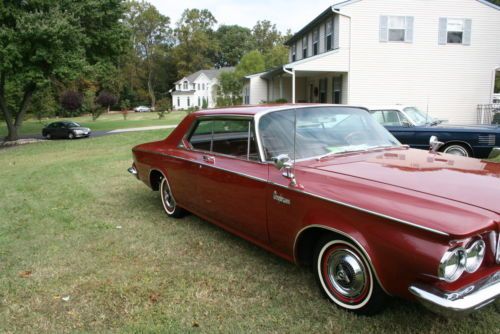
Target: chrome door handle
208 159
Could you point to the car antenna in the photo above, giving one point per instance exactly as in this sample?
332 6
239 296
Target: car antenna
427 111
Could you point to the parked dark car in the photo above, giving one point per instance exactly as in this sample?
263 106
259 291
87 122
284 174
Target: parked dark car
65 129
414 128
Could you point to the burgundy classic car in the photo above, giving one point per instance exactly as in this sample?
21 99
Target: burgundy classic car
328 187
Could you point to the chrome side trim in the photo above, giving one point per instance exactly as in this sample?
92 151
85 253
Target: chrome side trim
360 247
463 301
381 215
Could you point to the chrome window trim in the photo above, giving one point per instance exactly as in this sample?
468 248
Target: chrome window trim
381 215
361 248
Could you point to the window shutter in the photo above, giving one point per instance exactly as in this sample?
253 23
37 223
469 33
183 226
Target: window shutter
384 28
409 29
443 30
467 32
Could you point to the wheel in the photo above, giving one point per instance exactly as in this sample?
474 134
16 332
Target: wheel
71 135
346 278
48 136
457 149
168 200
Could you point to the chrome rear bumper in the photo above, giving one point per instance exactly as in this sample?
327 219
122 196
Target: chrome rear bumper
466 300
133 171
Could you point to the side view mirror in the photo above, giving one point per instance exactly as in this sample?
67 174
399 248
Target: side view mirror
283 162
434 144
406 124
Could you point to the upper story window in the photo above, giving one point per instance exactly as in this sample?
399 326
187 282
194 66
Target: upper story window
294 52
199 86
185 85
315 41
194 86
203 86
329 35
179 87
455 31
396 29
304 46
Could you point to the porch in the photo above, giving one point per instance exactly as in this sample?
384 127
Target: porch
306 86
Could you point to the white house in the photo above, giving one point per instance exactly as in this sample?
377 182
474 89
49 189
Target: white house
191 91
439 55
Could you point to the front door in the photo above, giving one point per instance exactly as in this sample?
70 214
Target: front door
231 180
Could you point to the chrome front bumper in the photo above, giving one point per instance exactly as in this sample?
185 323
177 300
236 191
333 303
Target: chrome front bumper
466 300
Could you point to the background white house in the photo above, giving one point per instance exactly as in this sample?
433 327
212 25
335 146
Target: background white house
191 91
439 55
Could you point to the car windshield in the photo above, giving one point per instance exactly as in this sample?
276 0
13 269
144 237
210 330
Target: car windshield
321 131
418 117
73 125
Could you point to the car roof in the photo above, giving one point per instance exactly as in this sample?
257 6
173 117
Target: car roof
254 110
388 107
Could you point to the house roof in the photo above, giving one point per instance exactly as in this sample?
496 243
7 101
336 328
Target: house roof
210 74
336 7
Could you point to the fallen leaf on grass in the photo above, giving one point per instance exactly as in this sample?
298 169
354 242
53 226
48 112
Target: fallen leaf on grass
119 227
153 298
25 274
66 298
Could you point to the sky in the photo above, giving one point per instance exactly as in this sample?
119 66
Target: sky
286 14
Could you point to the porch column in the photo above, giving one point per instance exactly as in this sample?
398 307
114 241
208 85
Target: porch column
281 86
293 86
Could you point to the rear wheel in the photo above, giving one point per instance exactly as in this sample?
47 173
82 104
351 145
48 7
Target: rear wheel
168 200
346 278
457 149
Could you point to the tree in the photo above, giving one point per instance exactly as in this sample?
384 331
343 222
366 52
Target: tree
151 35
47 40
234 42
230 86
266 36
71 101
277 56
106 100
196 45
251 63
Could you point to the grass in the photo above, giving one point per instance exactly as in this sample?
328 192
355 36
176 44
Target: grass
106 122
61 207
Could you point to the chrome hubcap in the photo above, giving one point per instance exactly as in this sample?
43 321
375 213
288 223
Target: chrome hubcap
346 272
168 199
457 150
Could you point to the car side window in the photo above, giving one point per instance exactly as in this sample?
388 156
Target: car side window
226 136
389 117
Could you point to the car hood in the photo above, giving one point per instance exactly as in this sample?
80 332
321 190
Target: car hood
80 128
466 180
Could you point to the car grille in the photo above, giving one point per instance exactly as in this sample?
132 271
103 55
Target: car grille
487 140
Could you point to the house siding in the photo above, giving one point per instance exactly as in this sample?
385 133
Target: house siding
449 80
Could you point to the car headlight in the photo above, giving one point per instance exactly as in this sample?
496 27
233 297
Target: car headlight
474 256
78 132
452 264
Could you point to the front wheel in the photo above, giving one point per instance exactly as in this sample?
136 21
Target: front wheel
71 135
168 200
346 278
457 149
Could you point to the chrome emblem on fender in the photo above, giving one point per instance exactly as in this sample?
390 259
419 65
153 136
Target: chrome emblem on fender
278 198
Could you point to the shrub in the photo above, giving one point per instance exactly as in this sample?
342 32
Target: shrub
106 99
71 101
281 101
163 107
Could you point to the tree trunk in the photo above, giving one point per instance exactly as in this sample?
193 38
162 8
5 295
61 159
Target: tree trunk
151 89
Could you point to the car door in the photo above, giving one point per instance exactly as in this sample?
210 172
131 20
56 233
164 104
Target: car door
397 124
231 181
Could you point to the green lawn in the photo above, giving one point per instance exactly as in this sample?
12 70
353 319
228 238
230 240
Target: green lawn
106 122
60 205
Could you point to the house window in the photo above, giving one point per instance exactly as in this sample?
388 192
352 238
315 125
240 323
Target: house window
315 41
194 86
304 47
329 35
178 101
294 52
199 101
199 86
455 31
179 87
396 29
185 85
203 86
188 102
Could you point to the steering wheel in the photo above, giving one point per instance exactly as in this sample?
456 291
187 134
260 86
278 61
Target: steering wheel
355 138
